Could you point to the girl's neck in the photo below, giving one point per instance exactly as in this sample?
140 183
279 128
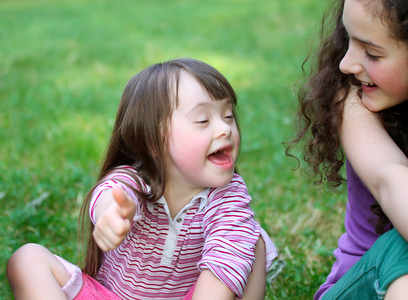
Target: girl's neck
178 196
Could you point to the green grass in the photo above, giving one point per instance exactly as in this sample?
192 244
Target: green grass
63 67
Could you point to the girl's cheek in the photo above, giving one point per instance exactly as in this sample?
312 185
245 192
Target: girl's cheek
192 146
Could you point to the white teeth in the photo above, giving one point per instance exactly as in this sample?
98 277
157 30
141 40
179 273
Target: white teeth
222 150
368 84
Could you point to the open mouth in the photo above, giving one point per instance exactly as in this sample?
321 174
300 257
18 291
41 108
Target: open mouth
369 84
222 156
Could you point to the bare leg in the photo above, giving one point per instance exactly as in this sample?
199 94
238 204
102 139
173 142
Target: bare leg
398 289
256 285
35 273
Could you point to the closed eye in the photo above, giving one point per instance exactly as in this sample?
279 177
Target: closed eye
230 117
372 57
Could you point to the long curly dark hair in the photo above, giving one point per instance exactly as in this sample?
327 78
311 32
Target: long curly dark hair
320 107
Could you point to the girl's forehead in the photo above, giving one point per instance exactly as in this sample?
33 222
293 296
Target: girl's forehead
373 7
186 78
191 87
361 17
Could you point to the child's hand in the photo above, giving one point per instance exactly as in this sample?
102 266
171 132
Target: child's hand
114 222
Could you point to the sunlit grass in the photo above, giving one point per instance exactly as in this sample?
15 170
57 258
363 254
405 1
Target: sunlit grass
63 67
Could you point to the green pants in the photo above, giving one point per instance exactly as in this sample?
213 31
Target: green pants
370 277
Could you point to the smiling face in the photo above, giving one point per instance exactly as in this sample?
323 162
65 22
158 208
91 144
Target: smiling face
203 138
377 60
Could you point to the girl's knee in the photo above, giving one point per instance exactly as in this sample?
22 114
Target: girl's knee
30 252
19 263
24 257
34 272
28 260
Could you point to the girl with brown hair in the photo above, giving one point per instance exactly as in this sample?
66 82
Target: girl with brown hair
170 218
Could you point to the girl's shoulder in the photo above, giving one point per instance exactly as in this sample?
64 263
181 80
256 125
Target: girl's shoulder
235 190
127 175
236 182
123 169
228 201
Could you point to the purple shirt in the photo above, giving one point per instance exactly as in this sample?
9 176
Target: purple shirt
360 230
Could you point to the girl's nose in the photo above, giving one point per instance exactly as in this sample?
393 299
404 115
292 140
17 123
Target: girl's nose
350 64
223 129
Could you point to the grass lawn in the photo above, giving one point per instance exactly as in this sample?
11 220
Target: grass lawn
63 67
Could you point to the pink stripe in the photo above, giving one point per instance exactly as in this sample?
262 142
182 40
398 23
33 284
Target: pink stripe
216 238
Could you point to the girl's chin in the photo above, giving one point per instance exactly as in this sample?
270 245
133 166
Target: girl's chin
370 104
225 180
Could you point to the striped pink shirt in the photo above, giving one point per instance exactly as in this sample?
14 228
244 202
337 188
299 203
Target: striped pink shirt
161 258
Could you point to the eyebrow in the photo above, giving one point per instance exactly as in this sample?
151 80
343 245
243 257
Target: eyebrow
206 104
365 42
199 105
368 43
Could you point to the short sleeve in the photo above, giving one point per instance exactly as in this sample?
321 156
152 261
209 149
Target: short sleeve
231 234
123 177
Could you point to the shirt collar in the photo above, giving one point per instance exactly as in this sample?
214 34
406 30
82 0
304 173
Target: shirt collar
202 197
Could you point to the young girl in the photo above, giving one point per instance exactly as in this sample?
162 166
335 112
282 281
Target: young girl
367 51
170 218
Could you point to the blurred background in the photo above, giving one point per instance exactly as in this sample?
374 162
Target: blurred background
63 67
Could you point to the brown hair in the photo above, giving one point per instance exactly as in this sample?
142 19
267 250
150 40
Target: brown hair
320 106
139 134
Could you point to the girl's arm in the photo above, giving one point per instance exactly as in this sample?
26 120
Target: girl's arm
377 160
210 287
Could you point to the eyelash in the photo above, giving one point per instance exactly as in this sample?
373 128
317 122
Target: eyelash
232 117
372 57
368 55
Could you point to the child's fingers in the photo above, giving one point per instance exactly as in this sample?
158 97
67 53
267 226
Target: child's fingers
118 229
100 239
109 237
114 224
104 244
127 206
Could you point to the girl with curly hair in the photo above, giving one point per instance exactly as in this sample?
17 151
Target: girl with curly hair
355 100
